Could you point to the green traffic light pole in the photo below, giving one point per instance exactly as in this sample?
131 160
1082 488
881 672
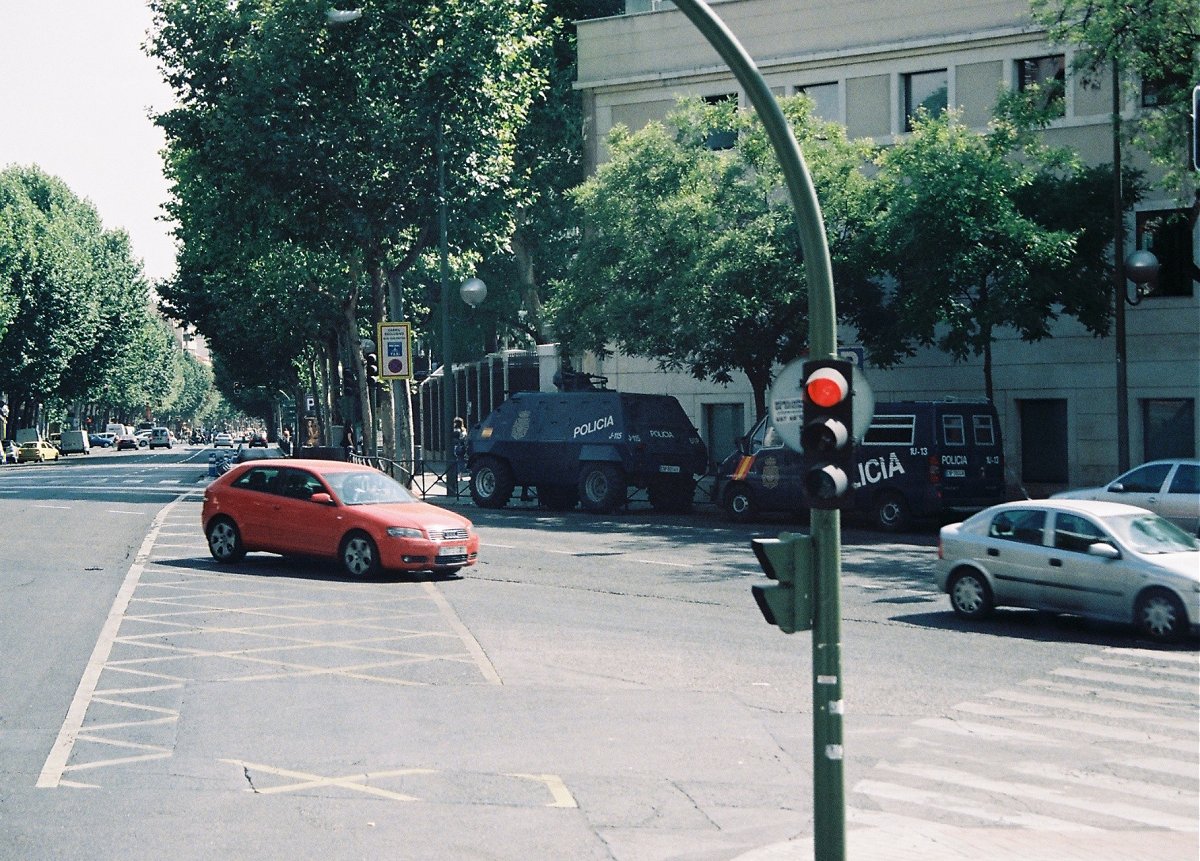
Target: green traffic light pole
829 816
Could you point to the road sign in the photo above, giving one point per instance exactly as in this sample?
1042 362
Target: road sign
395 351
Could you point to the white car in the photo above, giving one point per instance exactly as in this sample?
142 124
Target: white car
1103 560
223 439
1169 488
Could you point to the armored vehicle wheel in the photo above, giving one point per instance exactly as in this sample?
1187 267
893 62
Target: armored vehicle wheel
601 487
491 483
557 497
673 495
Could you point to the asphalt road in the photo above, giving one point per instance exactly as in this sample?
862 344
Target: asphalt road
594 688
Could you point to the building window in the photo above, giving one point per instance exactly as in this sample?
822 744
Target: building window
1168 234
929 90
721 138
1168 428
1158 90
825 100
1043 440
1049 75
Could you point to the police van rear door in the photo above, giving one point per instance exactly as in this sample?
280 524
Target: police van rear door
970 456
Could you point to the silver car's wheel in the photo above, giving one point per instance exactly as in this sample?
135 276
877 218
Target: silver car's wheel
359 556
224 540
1160 616
970 595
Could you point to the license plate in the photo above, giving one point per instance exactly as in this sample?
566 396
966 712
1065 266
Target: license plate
668 468
956 473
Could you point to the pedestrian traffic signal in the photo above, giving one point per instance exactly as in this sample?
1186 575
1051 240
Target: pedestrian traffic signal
788 560
827 438
372 362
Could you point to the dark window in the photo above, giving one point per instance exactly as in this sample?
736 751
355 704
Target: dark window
1168 234
929 90
299 484
721 138
891 430
1168 428
1145 479
1021 525
1043 440
1048 75
1160 89
954 431
1072 532
260 478
1186 479
985 432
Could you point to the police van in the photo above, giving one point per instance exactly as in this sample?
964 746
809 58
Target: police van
917 459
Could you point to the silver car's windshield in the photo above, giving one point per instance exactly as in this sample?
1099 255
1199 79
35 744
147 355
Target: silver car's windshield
1149 533
367 488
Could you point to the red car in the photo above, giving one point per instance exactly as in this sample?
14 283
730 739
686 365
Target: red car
344 511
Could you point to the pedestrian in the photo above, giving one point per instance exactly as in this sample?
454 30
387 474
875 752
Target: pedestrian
459 432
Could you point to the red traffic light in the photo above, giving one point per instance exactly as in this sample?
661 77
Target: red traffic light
827 387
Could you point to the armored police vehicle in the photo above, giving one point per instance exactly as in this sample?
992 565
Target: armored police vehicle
588 447
917 459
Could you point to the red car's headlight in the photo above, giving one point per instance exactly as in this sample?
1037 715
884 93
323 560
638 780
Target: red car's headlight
404 532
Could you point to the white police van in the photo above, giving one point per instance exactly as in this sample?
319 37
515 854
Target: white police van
917 459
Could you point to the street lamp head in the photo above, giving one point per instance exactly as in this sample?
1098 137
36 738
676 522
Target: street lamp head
1141 267
473 291
342 16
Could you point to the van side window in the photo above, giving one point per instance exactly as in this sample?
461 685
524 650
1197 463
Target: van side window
1017 525
985 434
771 439
891 430
954 431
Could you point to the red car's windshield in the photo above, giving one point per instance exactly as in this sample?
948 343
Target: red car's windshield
366 488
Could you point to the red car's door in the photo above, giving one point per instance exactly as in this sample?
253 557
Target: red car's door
300 525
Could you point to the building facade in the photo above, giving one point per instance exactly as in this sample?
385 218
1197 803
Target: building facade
868 64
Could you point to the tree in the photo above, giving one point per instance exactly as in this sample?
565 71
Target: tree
326 140
71 292
972 236
690 255
1154 40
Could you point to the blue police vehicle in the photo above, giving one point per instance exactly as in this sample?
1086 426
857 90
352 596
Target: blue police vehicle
917 459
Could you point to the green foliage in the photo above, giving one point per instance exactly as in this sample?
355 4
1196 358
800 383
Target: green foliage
690 256
74 300
1152 41
978 232
303 157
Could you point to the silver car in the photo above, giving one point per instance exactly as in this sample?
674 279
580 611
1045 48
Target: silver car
1103 560
1169 488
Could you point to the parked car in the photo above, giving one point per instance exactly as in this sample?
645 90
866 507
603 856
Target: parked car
103 440
127 441
333 509
223 439
1169 488
143 438
37 451
1089 558
8 451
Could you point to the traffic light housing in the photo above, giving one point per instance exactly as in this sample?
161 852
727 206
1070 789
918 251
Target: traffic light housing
827 435
788 560
371 360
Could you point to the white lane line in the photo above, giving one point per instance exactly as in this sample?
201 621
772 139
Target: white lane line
1109 783
56 763
464 635
58 507
1071 705
1127 681
949 803
660 562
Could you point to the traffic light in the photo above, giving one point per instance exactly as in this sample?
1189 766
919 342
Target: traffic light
371 360
788 560
827 435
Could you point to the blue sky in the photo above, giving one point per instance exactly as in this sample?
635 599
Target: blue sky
75 91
